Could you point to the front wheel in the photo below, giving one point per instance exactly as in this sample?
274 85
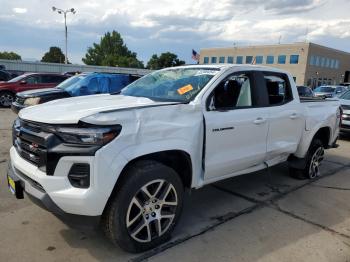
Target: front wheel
6 99
146 208
314 158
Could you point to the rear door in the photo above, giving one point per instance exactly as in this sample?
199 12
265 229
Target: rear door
235 126
285 117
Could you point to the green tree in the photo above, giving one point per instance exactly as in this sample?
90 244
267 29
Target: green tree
111 51
164 60
54 55
10 56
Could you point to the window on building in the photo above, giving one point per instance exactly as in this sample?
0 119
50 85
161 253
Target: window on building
328 62
294 59
259 59
270 59
323 62
337 64
221 59
281 59
239 60
230 59
333 63
312 60
248 59
213 59
206 60
317 63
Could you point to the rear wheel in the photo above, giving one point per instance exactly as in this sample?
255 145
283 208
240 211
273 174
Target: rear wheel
145 210
314 159
6 98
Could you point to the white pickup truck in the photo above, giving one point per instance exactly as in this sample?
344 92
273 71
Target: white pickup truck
125 159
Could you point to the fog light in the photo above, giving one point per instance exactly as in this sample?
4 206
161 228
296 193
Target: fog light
79 175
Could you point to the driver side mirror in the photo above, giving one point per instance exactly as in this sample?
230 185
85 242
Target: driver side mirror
23 82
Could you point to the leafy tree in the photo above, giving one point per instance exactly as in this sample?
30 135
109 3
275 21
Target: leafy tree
164 60
54 55
10 56
111 51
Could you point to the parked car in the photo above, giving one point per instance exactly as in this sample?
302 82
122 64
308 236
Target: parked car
305 91
345 105
126 158
28 81
4 76
79 85
329 91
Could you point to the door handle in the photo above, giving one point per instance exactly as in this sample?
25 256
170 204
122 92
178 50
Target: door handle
293 116
259 121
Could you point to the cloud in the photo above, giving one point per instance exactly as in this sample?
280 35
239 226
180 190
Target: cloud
150 26
19 10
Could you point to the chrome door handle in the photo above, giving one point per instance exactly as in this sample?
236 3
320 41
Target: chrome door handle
293 116
259 121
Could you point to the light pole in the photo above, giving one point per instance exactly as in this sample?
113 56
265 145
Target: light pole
64 12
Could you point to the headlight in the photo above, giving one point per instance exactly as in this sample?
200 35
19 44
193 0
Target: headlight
32 101
89 135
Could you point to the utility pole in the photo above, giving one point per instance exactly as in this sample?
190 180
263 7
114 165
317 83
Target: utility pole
65 12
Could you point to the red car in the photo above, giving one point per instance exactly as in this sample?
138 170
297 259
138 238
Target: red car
28 81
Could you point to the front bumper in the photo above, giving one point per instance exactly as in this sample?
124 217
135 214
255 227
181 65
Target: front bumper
37 194
17 107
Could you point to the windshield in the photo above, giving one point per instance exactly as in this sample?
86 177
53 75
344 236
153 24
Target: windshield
70 82
175 84
346 95
16 79
327 89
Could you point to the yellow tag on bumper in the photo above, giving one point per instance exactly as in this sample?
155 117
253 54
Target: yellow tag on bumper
185 89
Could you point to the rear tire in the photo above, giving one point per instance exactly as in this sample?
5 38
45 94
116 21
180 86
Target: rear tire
145 208
6 98
314 158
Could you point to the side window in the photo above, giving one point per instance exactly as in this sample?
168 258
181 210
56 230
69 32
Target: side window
33 80
233 92
47 79
278 88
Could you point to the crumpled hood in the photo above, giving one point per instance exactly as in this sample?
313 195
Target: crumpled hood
71 110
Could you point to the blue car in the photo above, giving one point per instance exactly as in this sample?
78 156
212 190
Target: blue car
79 85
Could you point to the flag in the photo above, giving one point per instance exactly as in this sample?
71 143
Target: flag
254 61
195 55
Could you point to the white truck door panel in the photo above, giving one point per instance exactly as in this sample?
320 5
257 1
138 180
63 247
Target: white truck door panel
235 140
286 121
285 129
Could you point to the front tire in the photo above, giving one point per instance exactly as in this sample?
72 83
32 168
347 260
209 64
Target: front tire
146 207
314 158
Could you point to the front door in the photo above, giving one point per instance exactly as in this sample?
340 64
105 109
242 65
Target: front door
236 130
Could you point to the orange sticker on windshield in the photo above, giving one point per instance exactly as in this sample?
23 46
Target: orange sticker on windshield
185 89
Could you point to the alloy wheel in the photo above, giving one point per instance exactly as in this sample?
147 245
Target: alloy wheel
6 99
315 163
151 211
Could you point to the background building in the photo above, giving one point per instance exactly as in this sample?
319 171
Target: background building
309 63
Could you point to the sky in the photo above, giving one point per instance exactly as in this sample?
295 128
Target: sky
30 27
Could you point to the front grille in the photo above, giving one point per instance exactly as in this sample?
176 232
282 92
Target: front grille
20 100
30 142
